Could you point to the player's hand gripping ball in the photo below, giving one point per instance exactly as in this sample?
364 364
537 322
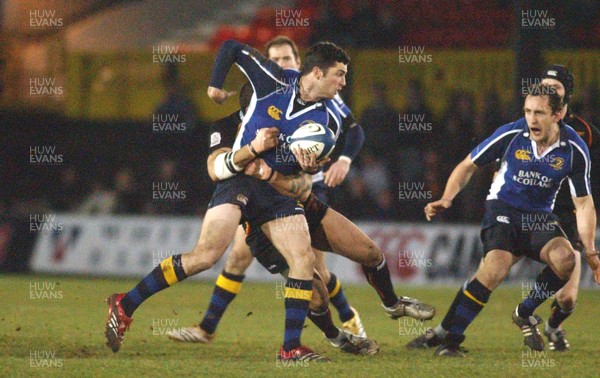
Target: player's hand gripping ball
313 138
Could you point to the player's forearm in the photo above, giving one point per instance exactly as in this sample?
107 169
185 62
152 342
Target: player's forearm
586 223
460 177
296 186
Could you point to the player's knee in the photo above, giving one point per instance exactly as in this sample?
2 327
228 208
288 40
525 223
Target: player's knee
567 300
372 255
564 260
238 261
303 259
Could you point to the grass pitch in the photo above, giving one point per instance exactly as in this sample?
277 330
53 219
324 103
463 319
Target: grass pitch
54 325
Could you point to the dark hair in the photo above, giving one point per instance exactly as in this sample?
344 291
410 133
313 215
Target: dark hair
554 100
282 40
246 93
323 55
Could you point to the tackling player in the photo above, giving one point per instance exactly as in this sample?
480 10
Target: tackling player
537 153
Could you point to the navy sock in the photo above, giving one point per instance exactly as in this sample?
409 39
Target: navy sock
298 294
338 298
168 272
546 285
469 301
558 314
226 288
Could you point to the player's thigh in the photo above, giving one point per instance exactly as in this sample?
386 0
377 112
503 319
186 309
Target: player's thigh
347 240
239 258
218 229
291 238
568 293
494 267
320 265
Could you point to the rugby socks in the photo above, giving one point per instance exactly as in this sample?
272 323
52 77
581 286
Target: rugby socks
167 273
338 298
557 316
226 288
379 278
324 321
298 294
467 304
546 285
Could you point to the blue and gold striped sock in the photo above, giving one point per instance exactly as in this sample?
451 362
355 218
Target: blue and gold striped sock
298 294
167 273
546 285
226 288
338 299
467 304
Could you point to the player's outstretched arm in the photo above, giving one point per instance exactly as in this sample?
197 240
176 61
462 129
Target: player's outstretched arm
224 163
297 186
586 226
458 179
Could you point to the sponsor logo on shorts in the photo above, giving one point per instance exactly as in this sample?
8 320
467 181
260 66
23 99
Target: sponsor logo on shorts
242 198
503 219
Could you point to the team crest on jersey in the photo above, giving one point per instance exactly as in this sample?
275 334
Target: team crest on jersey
274 112
242 198
557 163
523 155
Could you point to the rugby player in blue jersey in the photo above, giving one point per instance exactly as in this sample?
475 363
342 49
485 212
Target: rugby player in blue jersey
537 153
283 51
559 77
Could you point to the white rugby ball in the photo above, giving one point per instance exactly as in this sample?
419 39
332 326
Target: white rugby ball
314 137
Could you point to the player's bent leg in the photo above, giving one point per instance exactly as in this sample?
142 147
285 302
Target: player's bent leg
559 256
348 315
347 240
470 300
218 228
562 307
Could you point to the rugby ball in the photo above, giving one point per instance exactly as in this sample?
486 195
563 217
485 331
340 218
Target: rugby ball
314 138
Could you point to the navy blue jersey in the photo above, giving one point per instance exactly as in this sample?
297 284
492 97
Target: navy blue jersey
530 182
275 103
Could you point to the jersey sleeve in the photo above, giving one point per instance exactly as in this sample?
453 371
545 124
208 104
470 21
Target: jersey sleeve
264 75
579 178
494 146
223 133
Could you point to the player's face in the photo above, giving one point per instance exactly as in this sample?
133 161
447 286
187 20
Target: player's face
333 80
284 56
540 118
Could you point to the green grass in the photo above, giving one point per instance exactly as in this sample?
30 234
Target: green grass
251 333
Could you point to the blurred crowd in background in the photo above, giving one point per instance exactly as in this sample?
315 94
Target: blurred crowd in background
397 172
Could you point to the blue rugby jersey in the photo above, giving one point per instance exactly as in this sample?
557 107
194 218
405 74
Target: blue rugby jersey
530 182
275 103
